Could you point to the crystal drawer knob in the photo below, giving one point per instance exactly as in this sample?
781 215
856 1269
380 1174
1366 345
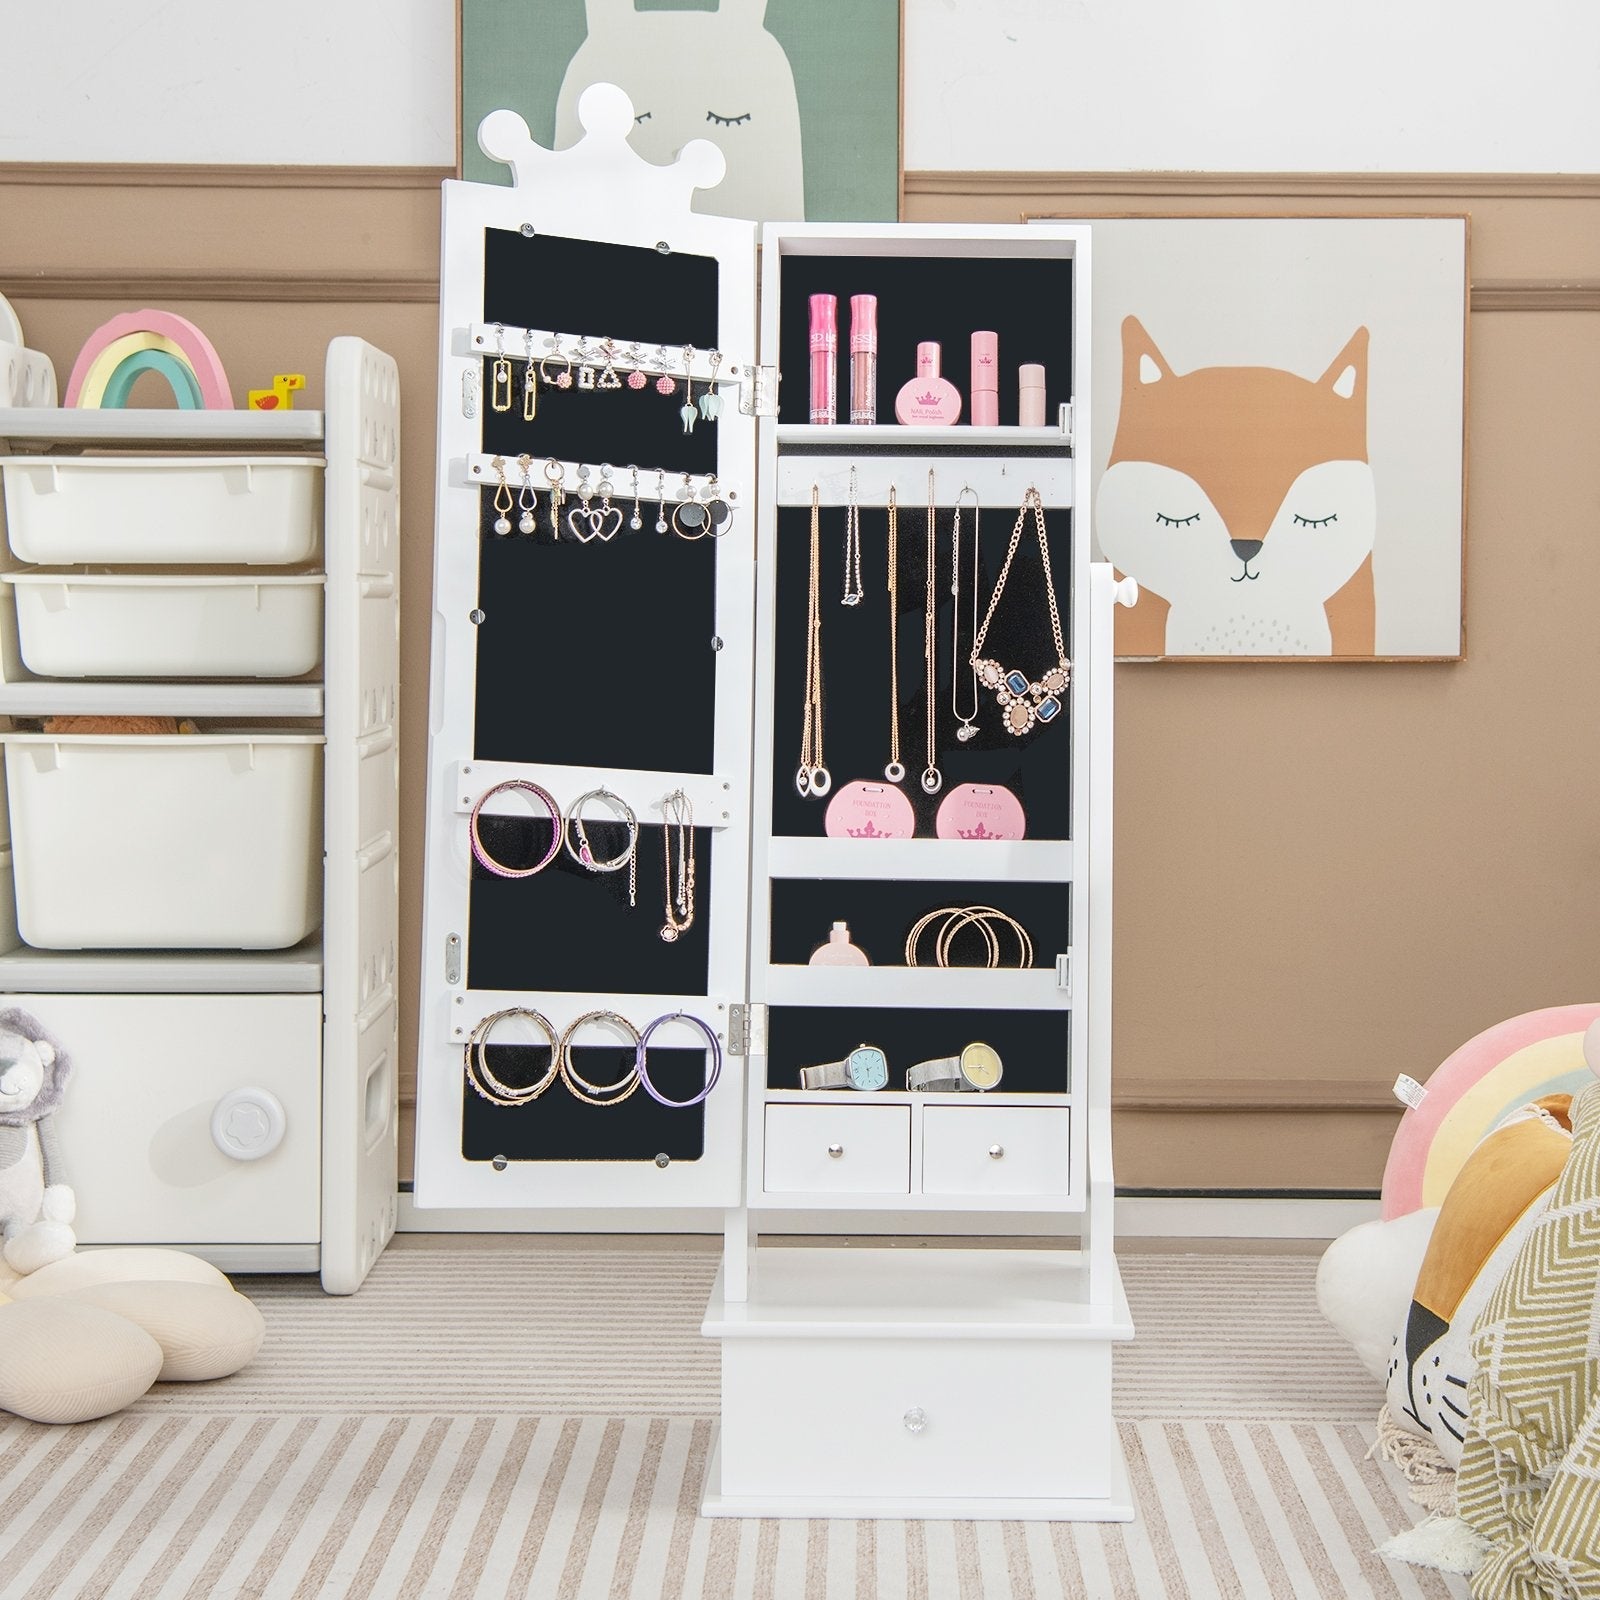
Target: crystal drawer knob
996 1151
916 1419
835 1151
248 1124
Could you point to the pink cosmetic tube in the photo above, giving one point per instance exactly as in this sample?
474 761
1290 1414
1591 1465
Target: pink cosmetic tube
1030 395
985 380
863 358
824 358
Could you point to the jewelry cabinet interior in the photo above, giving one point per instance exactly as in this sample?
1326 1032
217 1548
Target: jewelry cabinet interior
705 623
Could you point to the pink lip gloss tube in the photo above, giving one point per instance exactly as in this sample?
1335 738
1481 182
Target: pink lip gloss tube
824 358
985 380
863 358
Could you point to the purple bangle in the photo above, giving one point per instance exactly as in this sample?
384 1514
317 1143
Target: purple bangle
486 860
643 1049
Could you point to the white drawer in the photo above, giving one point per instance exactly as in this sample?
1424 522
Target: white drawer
838 1149
840 1417
135 1125
996 1149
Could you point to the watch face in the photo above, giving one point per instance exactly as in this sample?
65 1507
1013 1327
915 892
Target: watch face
980 1066
868 1067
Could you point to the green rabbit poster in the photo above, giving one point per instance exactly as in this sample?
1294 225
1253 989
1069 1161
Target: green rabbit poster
802 96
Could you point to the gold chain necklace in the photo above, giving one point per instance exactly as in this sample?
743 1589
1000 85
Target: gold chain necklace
1024 700
895 772
812 776
932 778
967 720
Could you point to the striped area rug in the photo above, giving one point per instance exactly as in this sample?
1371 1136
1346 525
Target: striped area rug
532 1418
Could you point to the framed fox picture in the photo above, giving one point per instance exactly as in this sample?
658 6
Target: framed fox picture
1278 434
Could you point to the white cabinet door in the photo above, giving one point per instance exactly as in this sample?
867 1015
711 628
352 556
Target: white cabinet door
148 1071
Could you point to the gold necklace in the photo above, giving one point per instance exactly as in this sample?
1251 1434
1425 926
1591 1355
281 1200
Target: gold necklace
1024 700
895 772
677 812
812 776
967 720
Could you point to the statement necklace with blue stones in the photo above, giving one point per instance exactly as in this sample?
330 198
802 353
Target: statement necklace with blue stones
1024 700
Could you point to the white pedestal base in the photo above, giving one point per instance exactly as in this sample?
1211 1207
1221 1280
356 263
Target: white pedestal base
918 1383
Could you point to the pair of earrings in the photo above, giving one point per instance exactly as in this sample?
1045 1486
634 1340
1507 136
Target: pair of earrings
526 502
502 378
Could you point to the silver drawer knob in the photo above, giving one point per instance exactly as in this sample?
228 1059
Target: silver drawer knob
916 1419
835 1150
996 1151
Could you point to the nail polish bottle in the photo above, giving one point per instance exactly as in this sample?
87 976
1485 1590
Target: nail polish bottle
985 380
838 951
863 358
928 400
824 358
1030 398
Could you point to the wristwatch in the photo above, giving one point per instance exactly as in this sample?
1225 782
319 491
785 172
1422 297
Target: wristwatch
977 1067
865 1068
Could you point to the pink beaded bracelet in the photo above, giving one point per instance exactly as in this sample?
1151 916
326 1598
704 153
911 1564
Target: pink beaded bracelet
546 799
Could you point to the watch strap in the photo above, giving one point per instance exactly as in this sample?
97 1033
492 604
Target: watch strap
940 1076
827 1075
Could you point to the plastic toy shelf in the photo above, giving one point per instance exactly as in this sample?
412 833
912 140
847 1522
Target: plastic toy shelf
41 697
294 971
202 429
1021 860
1008 989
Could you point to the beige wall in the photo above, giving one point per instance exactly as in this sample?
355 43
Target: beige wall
1326 875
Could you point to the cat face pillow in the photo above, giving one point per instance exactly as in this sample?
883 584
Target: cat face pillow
1243 497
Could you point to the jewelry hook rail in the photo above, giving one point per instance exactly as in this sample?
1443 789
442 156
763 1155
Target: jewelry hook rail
477 471
493 339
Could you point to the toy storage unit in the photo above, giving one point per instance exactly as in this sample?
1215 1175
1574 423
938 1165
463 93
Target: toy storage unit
866 1381
209 919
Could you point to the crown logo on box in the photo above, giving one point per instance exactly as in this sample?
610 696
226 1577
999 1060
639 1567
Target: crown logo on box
868 832
980 832
928 399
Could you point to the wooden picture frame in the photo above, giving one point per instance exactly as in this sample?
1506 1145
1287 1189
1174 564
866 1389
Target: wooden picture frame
1244 364
825 75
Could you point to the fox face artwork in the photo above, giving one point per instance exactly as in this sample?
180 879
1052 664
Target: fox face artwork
1242 500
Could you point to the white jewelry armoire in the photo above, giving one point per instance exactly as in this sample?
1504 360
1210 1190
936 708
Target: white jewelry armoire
578 649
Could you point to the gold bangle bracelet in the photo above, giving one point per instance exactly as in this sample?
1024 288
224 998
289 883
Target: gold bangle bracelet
982 915
598 1094
482 1077
958 917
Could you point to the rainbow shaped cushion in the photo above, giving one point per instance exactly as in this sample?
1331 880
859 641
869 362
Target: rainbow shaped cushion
1537 1054
117 351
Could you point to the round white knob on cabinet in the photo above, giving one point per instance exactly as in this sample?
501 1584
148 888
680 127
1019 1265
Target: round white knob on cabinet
996 1151
248 1124
916 1419
835 1150
1126 591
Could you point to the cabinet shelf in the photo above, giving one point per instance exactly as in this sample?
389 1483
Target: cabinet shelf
47 697
294 971
977 988
69 425
802 437
958 860
909 1097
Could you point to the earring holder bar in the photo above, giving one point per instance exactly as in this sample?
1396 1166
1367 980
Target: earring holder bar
479 471
491 339
715 800
999 484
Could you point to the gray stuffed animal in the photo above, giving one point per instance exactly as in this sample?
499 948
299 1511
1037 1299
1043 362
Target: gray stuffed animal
36 1207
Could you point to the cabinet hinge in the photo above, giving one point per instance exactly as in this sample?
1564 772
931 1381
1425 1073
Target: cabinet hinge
747 1030
452 959
1064 973
758 392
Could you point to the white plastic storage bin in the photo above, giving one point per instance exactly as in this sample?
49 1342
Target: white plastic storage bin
166 842
173 510
143 626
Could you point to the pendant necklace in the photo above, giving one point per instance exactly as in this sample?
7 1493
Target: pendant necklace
932 778
852 548
812 777
677 813
1024 700
968 720
895 772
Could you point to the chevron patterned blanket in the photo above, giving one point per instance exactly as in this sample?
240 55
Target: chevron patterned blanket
1530 1471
